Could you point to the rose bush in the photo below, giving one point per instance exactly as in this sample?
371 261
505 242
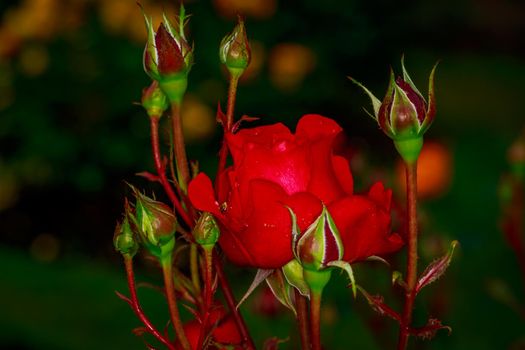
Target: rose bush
274 169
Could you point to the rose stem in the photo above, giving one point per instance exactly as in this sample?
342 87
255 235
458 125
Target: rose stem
232 93
167 270
208 292
130 274
302 319
315 319
411 277
179 148
232 305
194 267
154 125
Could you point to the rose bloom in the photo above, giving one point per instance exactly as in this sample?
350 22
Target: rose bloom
274 170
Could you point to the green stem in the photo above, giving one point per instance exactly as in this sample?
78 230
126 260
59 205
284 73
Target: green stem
167 269
183 171
301 306
412 257
161 172
315 319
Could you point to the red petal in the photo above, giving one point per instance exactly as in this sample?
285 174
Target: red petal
279 160
202 196
262 135
265 239
314 127
343 173
380 195
364 227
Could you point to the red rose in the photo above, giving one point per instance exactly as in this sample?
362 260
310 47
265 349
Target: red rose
273 168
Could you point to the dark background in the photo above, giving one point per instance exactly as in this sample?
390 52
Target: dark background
70 135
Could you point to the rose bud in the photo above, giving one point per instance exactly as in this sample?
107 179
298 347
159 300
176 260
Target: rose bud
154 100
235 51
404 115
168 57
124 239
155 223
320 244
206 231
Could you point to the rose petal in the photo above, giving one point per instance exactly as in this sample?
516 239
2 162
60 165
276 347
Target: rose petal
364 227
380 195
314 127
202 195
343 173
262 135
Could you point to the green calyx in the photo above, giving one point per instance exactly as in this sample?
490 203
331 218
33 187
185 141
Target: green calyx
174 87
409 149
206 231
317 280
154 100
124 239
156 224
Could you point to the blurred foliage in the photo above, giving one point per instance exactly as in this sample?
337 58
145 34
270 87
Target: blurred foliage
70 134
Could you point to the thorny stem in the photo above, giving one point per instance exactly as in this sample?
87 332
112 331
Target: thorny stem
315 319
301 307
411 274
179 149
232 93
128 262
167 270
161 172
232 305
208 291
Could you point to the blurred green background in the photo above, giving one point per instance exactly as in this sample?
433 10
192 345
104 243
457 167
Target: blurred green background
70 135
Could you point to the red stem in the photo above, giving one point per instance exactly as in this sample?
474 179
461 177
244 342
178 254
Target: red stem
301 307
411 274
232 93
232 305
154 123
172 303
137 308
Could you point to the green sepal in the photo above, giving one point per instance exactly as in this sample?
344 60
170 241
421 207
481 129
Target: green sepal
293 272
343 265
376 103
281 289
407 78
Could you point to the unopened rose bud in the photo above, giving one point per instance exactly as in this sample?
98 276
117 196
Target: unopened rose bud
168 57
404 115
154 100
320 245
206 231
155 223
234 51
124 239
